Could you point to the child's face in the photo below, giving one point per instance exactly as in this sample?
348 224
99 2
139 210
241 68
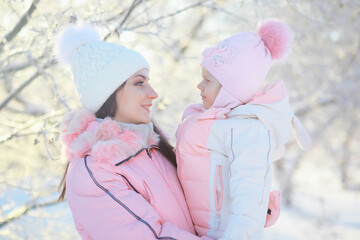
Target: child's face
209 88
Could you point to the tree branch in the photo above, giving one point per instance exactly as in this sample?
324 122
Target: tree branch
346 154
134 4
14 67
18 90
193 34
303 15
320 103
27 125
23 210
225 11
24 84
22 22
288 173
168 15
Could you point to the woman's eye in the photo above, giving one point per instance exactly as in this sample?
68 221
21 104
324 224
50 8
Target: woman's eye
140 83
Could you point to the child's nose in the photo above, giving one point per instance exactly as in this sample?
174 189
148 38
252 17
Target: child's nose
199 86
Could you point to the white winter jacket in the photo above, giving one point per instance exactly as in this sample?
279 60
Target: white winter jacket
224 165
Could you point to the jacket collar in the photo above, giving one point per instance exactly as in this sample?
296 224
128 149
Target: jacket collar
105 140
225 102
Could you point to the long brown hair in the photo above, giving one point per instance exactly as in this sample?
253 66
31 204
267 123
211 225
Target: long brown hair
108 109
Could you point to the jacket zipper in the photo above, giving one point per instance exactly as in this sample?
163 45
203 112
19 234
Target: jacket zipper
267 169
138 152
218 196
121 203
129 183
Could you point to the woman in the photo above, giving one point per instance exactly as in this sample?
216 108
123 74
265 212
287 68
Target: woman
121 178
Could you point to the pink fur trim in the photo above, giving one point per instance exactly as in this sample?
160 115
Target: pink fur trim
277 37
127 144
82 145
81 135
133 140
67 139
66 156
112 149
73 124
66 121
108 129
80 121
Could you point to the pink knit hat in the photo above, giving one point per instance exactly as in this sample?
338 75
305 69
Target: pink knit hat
240 63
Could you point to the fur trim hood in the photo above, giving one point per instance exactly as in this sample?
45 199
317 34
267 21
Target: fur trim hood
105 140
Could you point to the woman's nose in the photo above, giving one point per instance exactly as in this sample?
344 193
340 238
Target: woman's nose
152 94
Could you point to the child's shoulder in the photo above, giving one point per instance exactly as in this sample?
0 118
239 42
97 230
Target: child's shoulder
236 126
239 122
241 133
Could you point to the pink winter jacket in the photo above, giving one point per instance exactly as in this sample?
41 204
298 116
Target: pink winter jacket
118 184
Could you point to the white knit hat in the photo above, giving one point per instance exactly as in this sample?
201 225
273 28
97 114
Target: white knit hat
98 67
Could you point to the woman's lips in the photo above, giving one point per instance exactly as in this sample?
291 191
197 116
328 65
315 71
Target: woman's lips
147 107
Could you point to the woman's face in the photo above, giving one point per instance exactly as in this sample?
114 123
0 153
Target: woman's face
134 99
209 88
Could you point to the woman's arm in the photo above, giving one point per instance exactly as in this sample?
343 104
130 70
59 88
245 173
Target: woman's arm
107 208
249 185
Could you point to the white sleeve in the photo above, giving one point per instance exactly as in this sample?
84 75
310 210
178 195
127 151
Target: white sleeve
249 182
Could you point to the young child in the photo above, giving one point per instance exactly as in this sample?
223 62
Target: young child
226 145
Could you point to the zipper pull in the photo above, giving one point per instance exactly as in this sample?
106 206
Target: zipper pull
148 153
217 220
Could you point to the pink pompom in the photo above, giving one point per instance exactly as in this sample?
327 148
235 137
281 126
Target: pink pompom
276 36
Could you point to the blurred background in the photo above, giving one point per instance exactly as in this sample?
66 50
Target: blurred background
320 188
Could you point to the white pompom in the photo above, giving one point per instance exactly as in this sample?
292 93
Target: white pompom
73 37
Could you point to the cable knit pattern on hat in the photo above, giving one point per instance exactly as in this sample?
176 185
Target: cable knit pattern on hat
98 67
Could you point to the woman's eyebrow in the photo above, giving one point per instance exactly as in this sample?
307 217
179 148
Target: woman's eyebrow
142 76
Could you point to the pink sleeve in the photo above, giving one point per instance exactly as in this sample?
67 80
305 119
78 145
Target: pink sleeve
106 208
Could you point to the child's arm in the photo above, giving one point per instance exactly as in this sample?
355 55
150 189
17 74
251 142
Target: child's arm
249 181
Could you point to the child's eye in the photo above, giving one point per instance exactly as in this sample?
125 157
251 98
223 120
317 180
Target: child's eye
139 83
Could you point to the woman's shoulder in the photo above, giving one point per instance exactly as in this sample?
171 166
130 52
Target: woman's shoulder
78 180
84 175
